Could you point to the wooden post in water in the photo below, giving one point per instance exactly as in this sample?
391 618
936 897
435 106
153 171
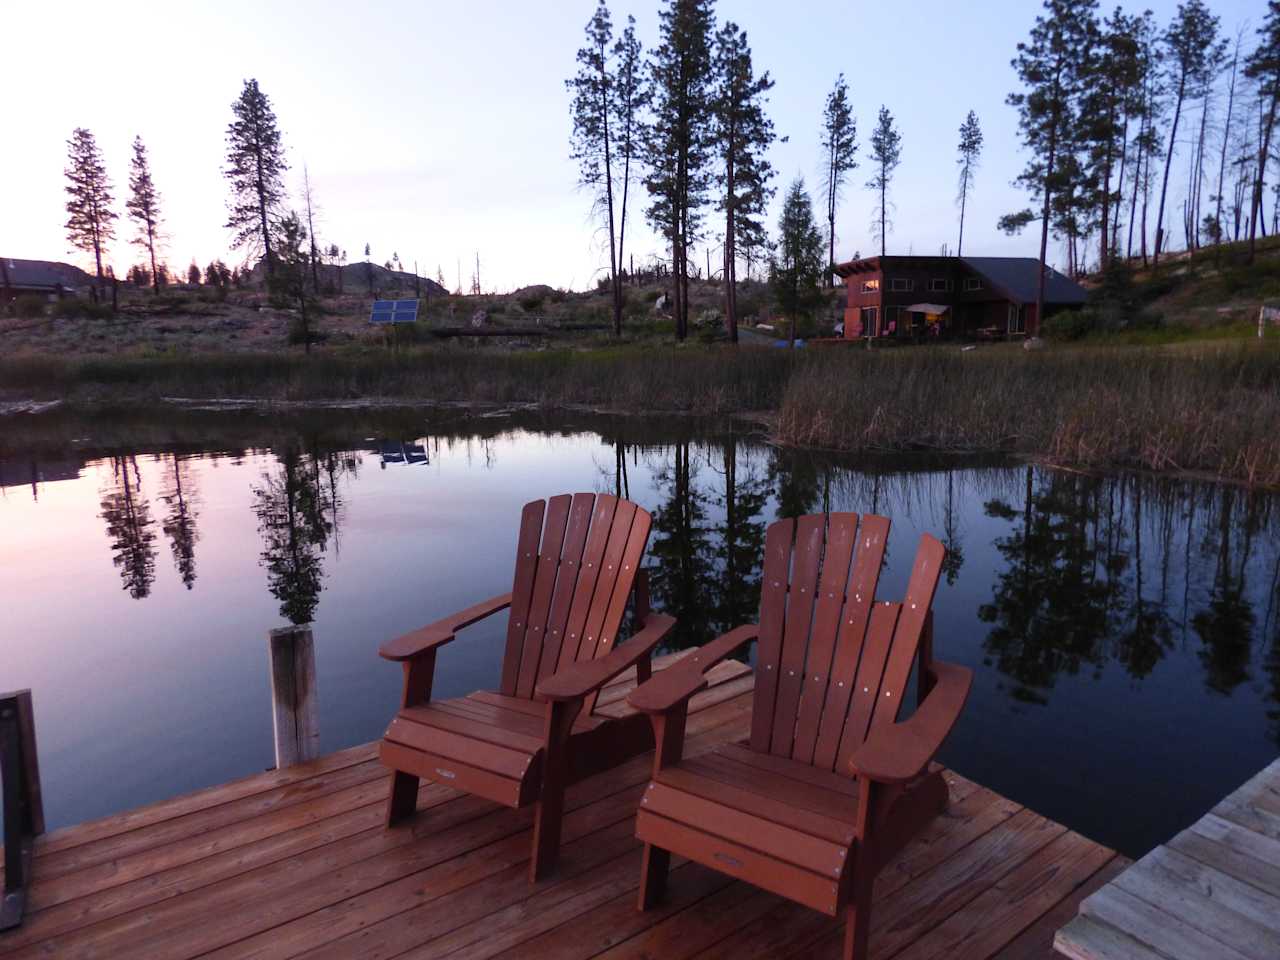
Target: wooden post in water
23 809
294 707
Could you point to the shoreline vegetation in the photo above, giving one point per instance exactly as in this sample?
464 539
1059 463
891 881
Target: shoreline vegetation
1211 410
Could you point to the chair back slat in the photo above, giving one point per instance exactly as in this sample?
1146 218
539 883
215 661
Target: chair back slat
805 564
859 596
906 641
833 663
866 687
773 610
544 582
576 564
521 592
588 574
575 541
842 533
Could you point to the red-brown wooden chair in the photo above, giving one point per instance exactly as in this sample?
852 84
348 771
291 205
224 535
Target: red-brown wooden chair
577 561
830 784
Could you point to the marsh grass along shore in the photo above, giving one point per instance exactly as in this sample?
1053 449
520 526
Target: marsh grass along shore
1212 410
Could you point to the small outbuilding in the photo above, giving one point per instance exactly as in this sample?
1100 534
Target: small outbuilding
40 277
957 297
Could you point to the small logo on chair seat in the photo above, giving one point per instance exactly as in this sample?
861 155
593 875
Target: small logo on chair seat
447 774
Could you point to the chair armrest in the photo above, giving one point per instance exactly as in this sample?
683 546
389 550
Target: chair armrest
437 634
677 683
900 752
579 679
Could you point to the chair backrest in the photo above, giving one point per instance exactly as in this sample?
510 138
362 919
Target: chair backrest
576 562
832 663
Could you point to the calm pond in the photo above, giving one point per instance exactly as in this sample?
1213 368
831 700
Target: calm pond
1125 633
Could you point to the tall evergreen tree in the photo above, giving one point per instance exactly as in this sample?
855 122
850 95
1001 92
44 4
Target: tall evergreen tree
143 205
969 153
1049 64
630 100
593 114
840 153
743 134
1189 43
1110 96
90 219
255 169
886 153
1263 67
795 273
678 141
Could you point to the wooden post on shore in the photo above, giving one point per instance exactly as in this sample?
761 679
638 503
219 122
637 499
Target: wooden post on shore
294 706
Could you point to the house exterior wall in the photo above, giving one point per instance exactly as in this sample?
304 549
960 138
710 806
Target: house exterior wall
880 287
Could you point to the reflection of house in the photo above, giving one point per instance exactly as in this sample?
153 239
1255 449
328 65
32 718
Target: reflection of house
40 277
33 473
950 296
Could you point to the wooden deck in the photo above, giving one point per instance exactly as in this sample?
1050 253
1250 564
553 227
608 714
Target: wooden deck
296 862
1211 891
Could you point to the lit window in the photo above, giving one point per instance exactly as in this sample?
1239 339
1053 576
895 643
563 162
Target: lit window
870 286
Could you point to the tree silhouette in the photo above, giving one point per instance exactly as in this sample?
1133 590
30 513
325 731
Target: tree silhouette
255 170
180 522
90 219
129 526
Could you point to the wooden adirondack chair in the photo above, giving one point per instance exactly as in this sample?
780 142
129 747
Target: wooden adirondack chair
577 561
830 785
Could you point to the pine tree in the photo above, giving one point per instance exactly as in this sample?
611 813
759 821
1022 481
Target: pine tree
255 169
592 145
143 204
1189 43
840 148
193 273
631 99
1110 97
1050 65
1263 67
1147 110
743 134
289 283
795 273
677 142
90 220
886 153
970 151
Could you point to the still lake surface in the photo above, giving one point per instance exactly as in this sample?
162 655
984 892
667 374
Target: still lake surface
1124 632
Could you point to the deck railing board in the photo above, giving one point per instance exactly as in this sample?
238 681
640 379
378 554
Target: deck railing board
1211 891
297 862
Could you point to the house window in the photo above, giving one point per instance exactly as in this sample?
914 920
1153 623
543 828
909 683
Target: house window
972 283
869 315
1017 319
939 285
901 285
870 286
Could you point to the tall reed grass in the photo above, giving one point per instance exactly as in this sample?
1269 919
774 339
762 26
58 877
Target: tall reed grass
1213 410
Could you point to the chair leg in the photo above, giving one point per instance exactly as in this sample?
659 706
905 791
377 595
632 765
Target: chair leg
546 831
402 800
653 875
857 918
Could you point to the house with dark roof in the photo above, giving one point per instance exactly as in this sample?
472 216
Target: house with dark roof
40 277
964 297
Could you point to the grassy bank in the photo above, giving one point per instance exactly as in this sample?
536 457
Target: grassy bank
1213 409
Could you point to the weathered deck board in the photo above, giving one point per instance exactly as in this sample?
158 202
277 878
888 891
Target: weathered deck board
296 863
1212 892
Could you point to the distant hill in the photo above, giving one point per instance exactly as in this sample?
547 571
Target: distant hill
355 277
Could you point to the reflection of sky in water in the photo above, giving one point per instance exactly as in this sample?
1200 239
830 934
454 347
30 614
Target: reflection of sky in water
1127 651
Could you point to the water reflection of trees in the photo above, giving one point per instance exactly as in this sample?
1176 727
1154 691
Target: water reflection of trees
130 527
299 509
181 500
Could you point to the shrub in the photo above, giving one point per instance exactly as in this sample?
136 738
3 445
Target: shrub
1069 325
77 309
28 305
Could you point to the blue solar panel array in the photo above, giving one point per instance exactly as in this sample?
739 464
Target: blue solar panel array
394 311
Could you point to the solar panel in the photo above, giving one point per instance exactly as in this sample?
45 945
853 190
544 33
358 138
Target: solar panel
394 311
